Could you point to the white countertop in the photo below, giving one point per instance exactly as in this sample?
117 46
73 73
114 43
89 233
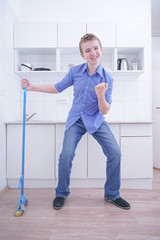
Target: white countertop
38 122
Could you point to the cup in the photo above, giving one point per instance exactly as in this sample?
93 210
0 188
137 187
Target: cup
69 66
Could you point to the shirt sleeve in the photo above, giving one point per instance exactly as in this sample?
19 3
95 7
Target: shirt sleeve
66 82
108 94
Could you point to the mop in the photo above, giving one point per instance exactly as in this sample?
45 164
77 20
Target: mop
22 201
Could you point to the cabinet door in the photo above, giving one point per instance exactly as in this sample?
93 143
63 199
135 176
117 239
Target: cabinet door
105 31
39 151
35 35
79 165
131 35
14 151
136 157
69 33
96 157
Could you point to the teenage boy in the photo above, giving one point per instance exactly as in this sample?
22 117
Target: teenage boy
92 98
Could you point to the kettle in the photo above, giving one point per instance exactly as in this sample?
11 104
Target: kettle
122 64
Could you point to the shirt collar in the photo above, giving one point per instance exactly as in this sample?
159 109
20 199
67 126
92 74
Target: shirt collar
99 70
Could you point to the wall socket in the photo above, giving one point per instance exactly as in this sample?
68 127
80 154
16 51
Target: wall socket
63 100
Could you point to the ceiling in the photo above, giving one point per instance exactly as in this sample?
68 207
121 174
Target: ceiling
155 18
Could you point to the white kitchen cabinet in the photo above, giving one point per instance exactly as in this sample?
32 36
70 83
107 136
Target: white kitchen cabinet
136 157
131 40
54 46
69 33
105 31
131 34
136 147
138 129
96 157
44 145
79 164
39 151
35 35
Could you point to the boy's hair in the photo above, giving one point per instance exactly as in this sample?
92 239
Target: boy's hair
88 37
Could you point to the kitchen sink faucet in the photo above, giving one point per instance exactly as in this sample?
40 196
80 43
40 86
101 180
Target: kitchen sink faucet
27 119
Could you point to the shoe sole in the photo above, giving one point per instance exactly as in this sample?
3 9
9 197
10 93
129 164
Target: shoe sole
110 201
57 208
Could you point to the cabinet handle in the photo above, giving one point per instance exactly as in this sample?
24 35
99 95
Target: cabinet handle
157 107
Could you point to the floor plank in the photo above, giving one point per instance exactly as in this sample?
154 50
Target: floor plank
85 215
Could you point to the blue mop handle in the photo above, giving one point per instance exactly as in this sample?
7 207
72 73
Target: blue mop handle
23 140
21 180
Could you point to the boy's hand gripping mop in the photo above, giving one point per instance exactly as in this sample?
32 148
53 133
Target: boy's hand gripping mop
22 201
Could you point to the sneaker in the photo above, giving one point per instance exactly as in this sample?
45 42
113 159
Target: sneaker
58 202
120 202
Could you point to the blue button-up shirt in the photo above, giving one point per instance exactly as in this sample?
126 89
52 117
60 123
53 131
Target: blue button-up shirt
85 102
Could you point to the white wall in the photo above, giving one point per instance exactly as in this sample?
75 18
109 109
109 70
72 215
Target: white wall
156 99
9 84
84 10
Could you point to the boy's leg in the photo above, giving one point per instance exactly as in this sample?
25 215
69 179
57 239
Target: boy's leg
71 138
111 150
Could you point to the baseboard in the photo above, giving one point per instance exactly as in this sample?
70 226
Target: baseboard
82 183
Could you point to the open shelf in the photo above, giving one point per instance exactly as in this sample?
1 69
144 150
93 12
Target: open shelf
130 54
58 59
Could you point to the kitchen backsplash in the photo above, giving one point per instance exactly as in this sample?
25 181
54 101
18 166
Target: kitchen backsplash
128 102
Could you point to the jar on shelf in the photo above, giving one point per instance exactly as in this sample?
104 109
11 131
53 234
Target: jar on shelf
134 64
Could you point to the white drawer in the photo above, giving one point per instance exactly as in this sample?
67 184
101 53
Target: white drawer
115 130
139 129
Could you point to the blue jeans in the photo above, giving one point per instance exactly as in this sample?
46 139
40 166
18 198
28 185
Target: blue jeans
110 148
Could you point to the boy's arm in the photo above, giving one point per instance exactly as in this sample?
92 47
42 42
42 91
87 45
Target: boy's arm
101 89
47 88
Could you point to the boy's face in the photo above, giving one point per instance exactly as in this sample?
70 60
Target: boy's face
91 52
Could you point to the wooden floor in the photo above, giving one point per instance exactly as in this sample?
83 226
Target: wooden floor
85 215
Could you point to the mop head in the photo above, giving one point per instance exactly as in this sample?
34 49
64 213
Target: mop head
20 210
18 213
